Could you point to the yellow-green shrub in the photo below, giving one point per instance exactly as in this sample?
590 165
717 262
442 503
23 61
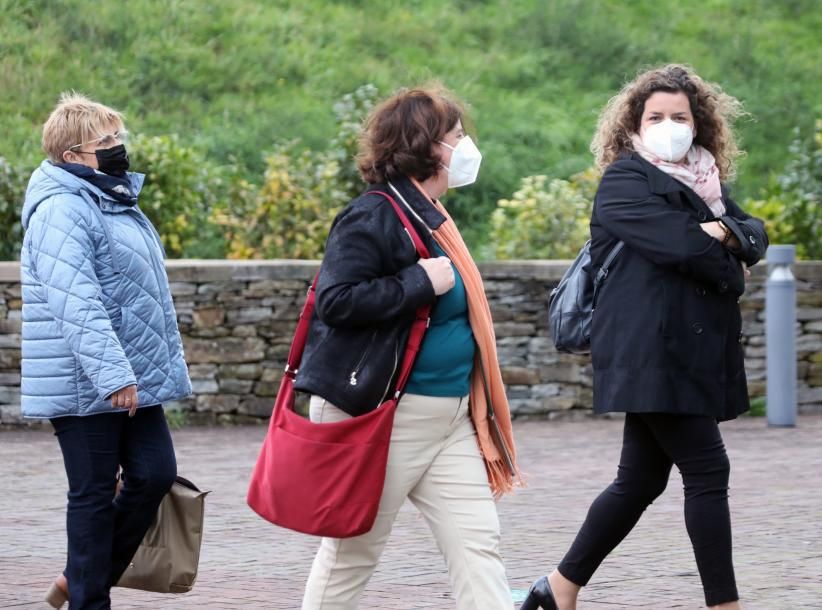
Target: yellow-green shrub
544 218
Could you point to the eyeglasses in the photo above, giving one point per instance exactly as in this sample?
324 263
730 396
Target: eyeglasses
105 141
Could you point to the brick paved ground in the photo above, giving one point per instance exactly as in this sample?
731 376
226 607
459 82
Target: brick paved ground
776 502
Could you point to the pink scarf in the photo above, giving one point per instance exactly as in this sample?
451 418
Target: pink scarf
697 171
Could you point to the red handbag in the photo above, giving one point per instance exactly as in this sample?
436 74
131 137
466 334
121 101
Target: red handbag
326 479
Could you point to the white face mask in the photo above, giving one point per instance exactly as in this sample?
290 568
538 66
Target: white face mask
668 140
465 163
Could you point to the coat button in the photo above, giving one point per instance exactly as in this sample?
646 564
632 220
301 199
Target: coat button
702 216
723 286
752 240
697 328
701 291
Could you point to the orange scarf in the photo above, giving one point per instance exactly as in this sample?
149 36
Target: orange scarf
497 450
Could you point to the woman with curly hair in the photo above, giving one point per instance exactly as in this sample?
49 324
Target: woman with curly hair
666 340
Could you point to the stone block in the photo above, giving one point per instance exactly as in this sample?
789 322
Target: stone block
218 403
514 329
568 372
558 403
266 388
9 358
10 326
9 378
204 386
526 406
246 330
272 373
809 343
235 386
208 317
10 395
257 406
185 404
228 349
519 375
10 414
241 371
809 395
212 288
10 341
248 315
202 371
806 314
182 289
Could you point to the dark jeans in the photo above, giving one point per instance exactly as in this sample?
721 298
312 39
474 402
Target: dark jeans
652 443
104 531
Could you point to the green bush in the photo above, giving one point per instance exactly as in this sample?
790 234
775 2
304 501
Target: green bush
790 204
179 195
289 215
544 218
240 76
12 194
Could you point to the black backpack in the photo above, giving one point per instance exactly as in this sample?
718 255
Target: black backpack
571 304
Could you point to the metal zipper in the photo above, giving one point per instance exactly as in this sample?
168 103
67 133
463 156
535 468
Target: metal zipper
352 380
394 370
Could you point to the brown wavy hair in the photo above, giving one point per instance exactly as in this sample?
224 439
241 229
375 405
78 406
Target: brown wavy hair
714 112
399 135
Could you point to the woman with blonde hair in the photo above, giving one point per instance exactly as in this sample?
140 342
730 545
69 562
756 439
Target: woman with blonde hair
451 444
101 348
666 339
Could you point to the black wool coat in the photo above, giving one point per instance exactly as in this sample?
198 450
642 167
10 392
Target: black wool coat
666 334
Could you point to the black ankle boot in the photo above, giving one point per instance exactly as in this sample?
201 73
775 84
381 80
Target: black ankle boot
540 596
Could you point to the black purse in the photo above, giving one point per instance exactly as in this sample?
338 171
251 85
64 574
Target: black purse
571 304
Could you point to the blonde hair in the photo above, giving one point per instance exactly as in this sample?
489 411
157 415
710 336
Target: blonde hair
714 112
76 119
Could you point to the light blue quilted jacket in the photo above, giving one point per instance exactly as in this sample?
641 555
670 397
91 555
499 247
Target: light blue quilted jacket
97 309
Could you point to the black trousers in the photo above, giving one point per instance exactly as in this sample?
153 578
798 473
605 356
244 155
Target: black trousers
104 531
652 443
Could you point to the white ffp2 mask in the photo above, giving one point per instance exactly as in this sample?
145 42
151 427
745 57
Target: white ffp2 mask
465 163
668 140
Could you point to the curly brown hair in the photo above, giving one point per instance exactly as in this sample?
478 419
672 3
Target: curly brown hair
399 135
714 112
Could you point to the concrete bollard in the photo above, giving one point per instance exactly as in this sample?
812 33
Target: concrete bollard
780 336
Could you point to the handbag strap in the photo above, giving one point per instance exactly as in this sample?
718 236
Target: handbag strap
423 315
418 326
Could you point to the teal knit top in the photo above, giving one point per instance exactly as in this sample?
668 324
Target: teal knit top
443 366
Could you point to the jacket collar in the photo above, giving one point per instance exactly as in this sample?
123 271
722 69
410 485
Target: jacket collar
419 203
661 183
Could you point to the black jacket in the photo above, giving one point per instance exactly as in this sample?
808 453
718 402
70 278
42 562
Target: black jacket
666 334
368 291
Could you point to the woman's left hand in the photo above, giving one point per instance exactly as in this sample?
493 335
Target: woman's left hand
125 399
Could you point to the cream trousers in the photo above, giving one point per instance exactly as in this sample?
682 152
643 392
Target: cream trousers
434 461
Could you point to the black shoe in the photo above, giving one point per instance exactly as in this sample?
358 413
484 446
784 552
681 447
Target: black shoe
540 596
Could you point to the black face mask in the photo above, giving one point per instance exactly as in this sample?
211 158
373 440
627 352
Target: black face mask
112 161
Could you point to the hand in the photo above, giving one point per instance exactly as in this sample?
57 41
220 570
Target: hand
125 399
745 270
714 229
440 273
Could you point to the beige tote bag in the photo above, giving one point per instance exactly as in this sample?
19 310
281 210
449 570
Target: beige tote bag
167 558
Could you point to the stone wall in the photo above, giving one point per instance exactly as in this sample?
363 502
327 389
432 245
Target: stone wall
237 318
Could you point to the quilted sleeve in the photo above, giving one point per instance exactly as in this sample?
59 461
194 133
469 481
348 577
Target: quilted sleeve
62 252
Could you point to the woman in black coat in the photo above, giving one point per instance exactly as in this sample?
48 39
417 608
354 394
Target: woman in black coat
666 338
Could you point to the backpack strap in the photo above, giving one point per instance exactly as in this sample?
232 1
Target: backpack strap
603 270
